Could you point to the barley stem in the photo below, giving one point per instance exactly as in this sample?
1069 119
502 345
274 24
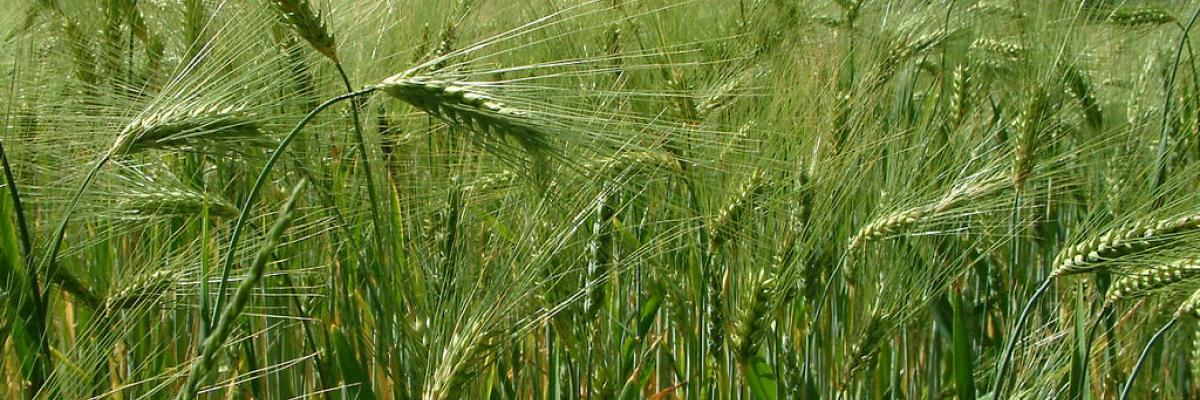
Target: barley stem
1125 390
1014 337
263 175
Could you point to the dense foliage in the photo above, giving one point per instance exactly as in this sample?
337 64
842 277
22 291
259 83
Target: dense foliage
600 199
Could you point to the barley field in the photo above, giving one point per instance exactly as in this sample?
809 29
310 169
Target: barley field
599 199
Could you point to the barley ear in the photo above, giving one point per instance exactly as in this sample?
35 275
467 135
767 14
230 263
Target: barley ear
471 106
724 226
1140 16
1129 239
1144 281
147 288
600 252
307 23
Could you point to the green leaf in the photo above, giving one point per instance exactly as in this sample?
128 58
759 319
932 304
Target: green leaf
761 379
964 370
25 324
353 372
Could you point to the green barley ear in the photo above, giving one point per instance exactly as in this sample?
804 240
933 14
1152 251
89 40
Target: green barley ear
1032 127
1081 89
143 196
1129 239
144 289
996 53
905 51
299 14
1194 360
960 95
730 89
600 254
633 162
191 127
952 202
490 182
723 228
1144 281
752 325
889 225
468 105
1190 307
864 351
1140 16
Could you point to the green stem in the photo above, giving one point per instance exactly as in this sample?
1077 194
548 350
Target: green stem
1142 358
362 152
209 347
1162 141
22 227
34 324
261 181
1014 336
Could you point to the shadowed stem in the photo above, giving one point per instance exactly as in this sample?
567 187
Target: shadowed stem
11 182
1142 358
38 373
1014 336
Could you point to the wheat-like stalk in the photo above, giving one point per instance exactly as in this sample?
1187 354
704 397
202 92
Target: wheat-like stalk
299 14
190 126
212 344
751 326
961 84
1031 127
633 161
1129 239
1006 50
143 289
468 105
1140 16
1081 88
1190 306
906 219
723 227
490 182
1194 359
462 359
891 225
171 202
158 193
727 91
1146 280
903 52
600 254
867 347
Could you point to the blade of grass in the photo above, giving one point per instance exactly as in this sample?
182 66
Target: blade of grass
963 359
